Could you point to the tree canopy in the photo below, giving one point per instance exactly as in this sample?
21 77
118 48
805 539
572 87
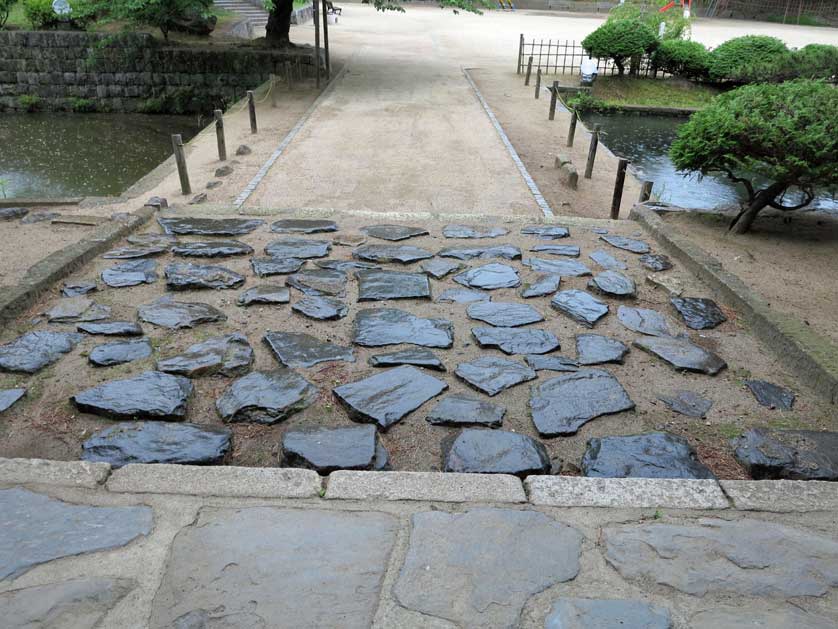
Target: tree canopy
620 40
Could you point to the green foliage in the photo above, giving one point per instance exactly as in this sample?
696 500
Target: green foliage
29 102
647 11
584 101
817 61
5 10
682 57
182 100
162 14
620 40
82 105
41 15
749 59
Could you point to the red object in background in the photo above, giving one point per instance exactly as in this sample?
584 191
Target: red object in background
666 7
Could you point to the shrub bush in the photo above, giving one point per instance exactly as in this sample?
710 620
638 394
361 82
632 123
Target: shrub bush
620 40
82 105
817 61
675 24
42 16
749 59
5 9
681 57
29 102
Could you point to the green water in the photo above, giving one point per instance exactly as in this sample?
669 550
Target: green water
67 155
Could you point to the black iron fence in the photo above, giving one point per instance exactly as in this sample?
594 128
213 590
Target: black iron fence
565 57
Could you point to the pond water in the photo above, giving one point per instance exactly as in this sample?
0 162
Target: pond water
67 155
645 142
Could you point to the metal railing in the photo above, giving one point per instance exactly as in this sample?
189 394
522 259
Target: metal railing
565 57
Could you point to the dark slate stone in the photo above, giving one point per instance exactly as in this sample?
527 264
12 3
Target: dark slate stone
303 226
321 308
687 403
229 355
12 213
682 354
387 397
391 253
551 363
788 454
119 352
188 276
39 217
599 230
489 277
243 149
438 269
504 315
569 251
378 285
265 294
492 375
517 340
607 261
71 309
645 321
462 296
393 232
545 232
656 262
158 442
417 357
318 282
463 410
151 395
224 171
544 284
389 326
613 284
699 313
300 248
111 328
326 450
128 253
35 350
579 613
349 240
77 289
345 266
771 395
562 405
152 240
473 231
627 244
266 397
212 249
295 349
508 252
594 349
580 306
131 273
210 226
38 529
9 396
651 455
566 268
479 451
176 315
263 267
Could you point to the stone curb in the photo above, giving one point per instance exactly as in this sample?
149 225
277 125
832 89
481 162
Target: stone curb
37 202
813 357
64 473
782 496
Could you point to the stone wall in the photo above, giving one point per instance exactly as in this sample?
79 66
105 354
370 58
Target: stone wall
131 72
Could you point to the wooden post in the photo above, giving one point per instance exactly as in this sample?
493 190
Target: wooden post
520 53
537 82
589 167
251 105
618 188
529 71
274 94
554 95
180 160
571 132
219 135
646 191
314 7
326 41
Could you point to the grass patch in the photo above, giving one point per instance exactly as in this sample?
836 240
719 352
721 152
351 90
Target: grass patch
613 90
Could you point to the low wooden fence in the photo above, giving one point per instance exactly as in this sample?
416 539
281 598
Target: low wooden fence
565 56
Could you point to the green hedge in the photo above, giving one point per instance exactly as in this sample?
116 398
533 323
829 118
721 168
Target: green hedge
682 58
42 16
748 59
620 40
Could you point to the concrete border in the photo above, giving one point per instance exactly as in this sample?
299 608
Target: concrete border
813 357
45 472
782 496
426 486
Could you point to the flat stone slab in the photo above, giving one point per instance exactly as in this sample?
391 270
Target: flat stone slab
299 248
644 320
38 529
438 269
76 289
517 340
380 285
389 326
566 268
344 266
782 496
318 282
119 352
595 349
303 226
128 253
543 284
111 328
743 556
613 284
687 403
788 454
212 249
12 213
217 576
489 277
265 267
321 308
507 252
579 306
462 296
506 315
417 357
72 309
682 354
551 363
650 455
229 355
562 405
473 231
393 232
391 253
386 398
209 226
266 397
656 262
570 251
177 315
545 232
583 613
492 375
627 244
607 261
463 410
426 486
479 451
296 349
57 473
326 450
479 568
132 273
158 442
699 313
151 395
188 276
265 294
771 395
39 217
8 397
33 351
153 240
759 617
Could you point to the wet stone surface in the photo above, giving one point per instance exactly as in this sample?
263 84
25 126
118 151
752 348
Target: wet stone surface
295 349
771 395
158 442
33 351
318 282
151 395
266 397
494 452
389 326
229 355
788 454
627 244
517 340
581 613
492 375
682 354
300 248
131 273
119 352
212 249
595 349
570 251
580 306
303 226
507 315
328 449
687 403
127 253
266 294
656 262
551 363
606 261
77 289
321 308
464 410
73 309
265 267
391 253
111 328
188 276
508 252
566 268
8 397
489 277
209 226
651 455
440 268
613 284
473 231
379 285
177 315
544 284
545 232
699 313
462 296
644 320
393 232
417 357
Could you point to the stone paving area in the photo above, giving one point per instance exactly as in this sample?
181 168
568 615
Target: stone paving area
511 347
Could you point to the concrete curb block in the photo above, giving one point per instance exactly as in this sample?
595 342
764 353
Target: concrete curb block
813 357
782 496
428 486
43 472
239 482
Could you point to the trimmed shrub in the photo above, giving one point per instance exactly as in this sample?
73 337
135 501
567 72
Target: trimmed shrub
817 61
620 40
682 58
42 16
749 59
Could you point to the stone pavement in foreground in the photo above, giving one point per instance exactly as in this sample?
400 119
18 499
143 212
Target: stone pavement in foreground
188 547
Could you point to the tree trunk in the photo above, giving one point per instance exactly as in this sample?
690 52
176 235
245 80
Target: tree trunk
279 24
757 204
621 68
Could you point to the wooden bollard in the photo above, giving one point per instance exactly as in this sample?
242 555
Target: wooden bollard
529 71
646 191
554 96
316 15
180 160
219 135
571 132
251 105
520 53
589 167
538 83
618 188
